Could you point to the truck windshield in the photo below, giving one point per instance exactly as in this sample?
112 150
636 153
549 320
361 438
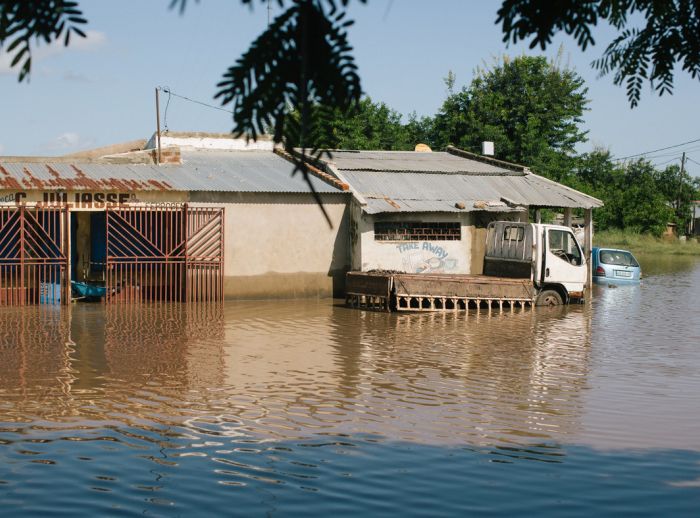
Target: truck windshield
563 245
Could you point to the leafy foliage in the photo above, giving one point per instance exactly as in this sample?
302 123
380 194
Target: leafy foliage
370 126
25 21
637 196
529 107
669 36
302 60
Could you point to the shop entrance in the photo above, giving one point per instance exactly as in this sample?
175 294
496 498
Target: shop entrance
117 255
164 253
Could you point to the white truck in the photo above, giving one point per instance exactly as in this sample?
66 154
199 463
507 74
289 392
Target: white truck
525 264
547 255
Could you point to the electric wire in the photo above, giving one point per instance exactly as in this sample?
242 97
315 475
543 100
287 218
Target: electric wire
656 150
667 161
185 98
165 116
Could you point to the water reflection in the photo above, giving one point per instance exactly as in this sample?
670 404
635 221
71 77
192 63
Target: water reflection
166 409
290 370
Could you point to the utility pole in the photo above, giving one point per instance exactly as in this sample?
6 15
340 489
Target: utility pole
269 11
680 188
680 182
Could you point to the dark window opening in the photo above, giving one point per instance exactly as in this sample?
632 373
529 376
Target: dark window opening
416 231
513 233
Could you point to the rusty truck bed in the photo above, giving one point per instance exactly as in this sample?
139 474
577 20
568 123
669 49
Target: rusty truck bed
436 292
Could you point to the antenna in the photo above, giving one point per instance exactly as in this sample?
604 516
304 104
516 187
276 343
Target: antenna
269 10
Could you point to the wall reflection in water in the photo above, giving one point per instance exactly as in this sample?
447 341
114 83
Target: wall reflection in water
287 370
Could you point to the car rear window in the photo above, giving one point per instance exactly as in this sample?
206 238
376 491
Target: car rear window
617 258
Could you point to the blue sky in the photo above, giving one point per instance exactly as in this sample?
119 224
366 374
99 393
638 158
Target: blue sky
101 90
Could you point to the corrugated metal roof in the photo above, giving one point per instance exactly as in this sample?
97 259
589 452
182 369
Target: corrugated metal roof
245 171
410 161
440 192
377 205
225 171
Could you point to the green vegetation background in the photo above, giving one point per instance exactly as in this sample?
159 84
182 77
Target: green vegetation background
532 109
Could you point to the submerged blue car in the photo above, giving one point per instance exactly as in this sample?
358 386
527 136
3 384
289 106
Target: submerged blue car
613 266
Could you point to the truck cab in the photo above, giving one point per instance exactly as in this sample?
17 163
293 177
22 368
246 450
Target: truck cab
549 255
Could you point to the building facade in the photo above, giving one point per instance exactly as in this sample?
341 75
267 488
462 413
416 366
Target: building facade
208 217
219 216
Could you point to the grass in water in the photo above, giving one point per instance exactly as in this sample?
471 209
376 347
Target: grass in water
645 243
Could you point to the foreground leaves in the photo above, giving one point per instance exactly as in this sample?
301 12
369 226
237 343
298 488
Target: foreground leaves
23 22
668 36
302 61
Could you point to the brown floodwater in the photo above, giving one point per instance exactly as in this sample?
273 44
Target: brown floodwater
297 407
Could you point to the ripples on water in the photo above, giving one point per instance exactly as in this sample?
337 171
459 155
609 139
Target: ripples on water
309 407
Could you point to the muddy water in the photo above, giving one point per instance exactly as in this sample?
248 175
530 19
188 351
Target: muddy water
283 408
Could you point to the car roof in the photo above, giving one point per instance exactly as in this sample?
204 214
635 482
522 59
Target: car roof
612 249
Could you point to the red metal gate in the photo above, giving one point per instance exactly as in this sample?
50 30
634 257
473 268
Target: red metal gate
33 257
165 253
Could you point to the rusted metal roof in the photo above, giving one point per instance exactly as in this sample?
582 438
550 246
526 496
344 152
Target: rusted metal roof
223 171
443 182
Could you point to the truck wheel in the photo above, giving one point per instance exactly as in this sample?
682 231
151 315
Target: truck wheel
549 298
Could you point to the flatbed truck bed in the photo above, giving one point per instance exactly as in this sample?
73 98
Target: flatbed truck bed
395 291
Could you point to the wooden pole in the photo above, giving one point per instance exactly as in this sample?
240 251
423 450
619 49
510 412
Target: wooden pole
567 217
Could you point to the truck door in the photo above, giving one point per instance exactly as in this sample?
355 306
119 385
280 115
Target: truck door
564 261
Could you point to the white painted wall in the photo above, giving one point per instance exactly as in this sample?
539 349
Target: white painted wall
202 142
413 256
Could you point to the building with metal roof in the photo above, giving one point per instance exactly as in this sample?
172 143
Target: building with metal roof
139 209
197 171
428 211
129 220
400 181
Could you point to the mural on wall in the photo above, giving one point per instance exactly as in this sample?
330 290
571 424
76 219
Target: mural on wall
426 257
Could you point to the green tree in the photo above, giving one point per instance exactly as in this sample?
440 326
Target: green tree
530 107
679 189
370 126
631 193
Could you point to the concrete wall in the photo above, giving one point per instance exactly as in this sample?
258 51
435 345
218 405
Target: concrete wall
465 256
280 245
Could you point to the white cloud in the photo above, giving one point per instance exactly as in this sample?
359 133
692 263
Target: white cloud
75 77
68 141
92 41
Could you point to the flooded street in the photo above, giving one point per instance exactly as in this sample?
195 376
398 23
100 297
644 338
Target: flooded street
301 407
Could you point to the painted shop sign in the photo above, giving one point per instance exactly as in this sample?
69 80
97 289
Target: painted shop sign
426 257
83 200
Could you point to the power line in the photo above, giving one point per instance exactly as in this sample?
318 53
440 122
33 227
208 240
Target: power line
657 150
170 92
666 162
693 161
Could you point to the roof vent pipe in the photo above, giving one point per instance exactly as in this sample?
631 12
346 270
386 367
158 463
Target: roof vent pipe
487 148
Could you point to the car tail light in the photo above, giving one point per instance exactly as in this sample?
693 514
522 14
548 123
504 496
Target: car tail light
600 271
